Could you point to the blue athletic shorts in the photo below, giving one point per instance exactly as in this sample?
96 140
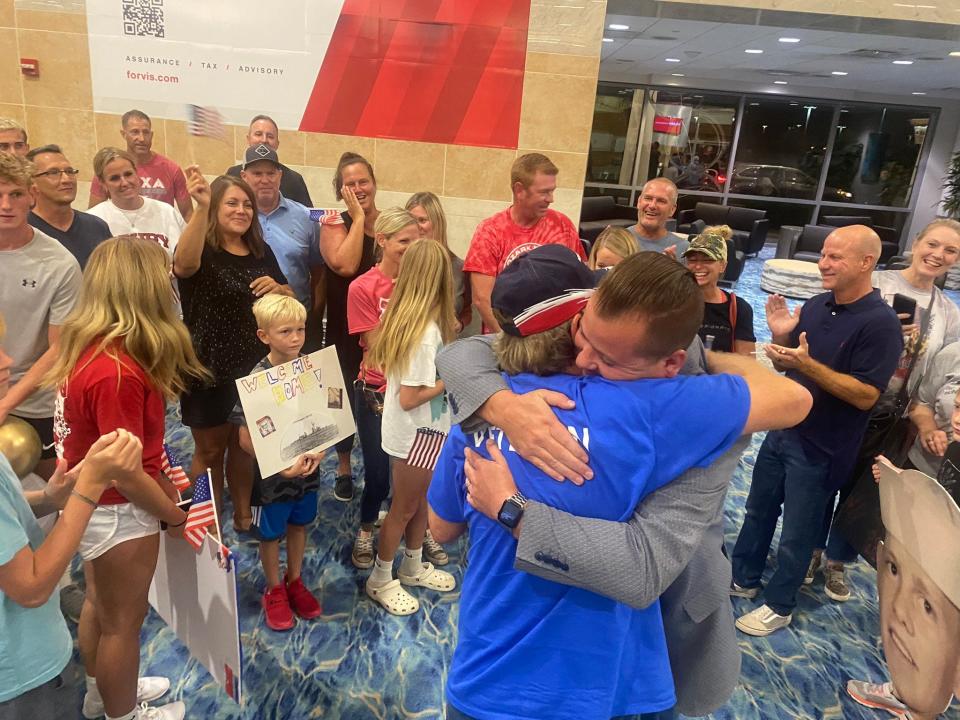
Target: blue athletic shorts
271 520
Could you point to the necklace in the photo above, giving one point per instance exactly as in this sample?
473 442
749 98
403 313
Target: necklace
132 217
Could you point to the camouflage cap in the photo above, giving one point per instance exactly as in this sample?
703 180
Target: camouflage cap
711 244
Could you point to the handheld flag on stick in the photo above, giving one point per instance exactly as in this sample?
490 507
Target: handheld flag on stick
206 122
171 467
202 513
426 448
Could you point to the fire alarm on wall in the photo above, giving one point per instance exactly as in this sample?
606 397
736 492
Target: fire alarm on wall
30 67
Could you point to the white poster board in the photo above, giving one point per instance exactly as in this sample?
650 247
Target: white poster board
196 595
298 407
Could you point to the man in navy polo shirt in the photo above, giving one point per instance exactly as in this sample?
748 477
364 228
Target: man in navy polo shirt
287 227
843 348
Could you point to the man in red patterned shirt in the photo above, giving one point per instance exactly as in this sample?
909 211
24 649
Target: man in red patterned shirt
527 223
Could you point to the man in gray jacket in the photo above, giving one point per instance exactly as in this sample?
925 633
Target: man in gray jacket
671 547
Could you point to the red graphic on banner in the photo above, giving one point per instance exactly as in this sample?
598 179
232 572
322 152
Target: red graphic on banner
444 71
667 125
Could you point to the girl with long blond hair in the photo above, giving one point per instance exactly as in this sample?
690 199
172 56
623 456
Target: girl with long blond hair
394 231
419 320
432 221
123 352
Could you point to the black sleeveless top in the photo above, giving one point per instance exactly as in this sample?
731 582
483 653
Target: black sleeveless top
348 346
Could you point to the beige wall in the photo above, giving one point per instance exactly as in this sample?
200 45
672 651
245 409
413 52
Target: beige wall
556 116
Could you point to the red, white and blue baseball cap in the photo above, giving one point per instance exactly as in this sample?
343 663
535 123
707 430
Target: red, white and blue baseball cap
542 290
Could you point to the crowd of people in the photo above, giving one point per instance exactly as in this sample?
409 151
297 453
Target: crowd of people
609 594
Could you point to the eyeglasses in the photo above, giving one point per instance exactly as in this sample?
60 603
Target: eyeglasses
55 174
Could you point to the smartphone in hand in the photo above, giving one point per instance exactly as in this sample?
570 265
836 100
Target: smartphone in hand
905 305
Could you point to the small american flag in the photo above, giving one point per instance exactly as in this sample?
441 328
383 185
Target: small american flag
171 467
326 217
202 513
205 122
426 448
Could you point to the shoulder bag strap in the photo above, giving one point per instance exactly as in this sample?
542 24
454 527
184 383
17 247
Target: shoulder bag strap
903 397
733 320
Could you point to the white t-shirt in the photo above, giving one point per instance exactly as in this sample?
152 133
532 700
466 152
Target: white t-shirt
943 329
399 427
154 220
39 284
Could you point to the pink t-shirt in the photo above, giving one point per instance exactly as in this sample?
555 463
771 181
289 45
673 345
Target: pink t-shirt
498 240
366 300
162 178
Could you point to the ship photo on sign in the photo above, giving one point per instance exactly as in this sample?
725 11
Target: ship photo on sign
295 408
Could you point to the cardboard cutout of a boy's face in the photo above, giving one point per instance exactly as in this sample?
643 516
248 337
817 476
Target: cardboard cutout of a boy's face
920 628
918 579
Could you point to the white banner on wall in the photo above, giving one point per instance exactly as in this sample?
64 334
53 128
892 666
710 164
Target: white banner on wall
241 57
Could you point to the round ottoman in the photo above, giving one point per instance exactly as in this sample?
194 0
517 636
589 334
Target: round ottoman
791 278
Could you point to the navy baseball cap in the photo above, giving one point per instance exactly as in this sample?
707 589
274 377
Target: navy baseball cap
541 290
256 153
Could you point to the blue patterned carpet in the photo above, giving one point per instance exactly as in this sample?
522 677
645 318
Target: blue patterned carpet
358 662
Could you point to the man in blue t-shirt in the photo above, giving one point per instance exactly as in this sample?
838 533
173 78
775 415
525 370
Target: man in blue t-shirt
532 648
843 348
55 180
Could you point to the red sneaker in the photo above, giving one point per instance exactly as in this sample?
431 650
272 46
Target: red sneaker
276 607
302 600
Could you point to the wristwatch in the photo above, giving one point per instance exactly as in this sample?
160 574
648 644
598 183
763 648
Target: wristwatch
512 510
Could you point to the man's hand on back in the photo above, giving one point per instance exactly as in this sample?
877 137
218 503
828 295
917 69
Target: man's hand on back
489 482
537 434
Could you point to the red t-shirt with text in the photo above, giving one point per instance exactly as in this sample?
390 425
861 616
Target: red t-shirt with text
102 396
162 178
498 240
366 300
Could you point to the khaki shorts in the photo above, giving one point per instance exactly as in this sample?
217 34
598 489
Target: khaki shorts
111 525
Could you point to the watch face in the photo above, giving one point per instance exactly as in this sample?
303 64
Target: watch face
510 513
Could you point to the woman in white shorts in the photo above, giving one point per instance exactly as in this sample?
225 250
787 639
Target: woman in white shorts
123 352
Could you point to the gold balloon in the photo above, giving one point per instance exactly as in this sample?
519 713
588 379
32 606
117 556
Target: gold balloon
21 445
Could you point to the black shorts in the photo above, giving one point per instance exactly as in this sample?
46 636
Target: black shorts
208 407
44 428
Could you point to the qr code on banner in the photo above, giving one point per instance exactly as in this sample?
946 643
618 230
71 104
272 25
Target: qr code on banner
143 18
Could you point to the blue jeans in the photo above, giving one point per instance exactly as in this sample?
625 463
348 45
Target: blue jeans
376 463
454 714
782 476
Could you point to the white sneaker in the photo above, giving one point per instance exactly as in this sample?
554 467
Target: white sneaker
171 711
148 689
762 622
